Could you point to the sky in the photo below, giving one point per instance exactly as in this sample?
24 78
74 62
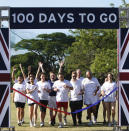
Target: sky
28 34
60 3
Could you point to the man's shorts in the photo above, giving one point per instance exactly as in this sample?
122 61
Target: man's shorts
62 104
19 105
44 102
89 100
52 102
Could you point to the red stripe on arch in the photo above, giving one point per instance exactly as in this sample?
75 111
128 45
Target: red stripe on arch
125 44
4 77
124 76
5 49
125 100
4 100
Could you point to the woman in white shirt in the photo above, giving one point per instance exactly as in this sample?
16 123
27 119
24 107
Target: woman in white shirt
110 101
76 98
19 99
32 91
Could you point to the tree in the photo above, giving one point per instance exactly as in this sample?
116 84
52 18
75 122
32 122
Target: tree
48 48
88 42
105 61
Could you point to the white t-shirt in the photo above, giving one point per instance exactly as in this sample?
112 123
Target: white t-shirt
107 87
62 94
77 87
90 87
34 94
80 79
18 97
43 95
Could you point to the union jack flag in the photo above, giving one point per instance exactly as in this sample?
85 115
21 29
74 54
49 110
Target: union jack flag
123 77
4 78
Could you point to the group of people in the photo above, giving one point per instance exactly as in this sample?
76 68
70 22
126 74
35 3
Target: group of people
57 92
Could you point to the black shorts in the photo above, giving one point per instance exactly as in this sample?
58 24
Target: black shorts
19 105
31 104
44 102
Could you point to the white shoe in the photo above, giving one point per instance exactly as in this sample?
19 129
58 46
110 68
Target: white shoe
65 121
34 124
31 124
41 124
19 123
50 122
60 125
94 120
90 123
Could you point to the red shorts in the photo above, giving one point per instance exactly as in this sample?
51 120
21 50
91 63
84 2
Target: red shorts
62 104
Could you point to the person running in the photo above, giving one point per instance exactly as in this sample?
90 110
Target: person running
110 101
16 81
104 107
19 99
52 99
76 98
32 92
45 89
52 94
62 87
90 86
80 78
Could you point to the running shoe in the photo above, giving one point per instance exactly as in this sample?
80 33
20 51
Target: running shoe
65 121
41 124
60 125
90 123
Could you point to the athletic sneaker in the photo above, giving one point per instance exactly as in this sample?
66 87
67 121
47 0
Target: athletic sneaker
23 122
94 120
31 124
19 123
113 122
60 125
51 123
90 123
65 121
109 124
34 124
41 124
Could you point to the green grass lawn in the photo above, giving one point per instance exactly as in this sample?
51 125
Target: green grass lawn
25 127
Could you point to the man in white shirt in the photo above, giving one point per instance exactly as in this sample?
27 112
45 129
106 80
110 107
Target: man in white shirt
62 87
76 98
90 86
80 78
44 88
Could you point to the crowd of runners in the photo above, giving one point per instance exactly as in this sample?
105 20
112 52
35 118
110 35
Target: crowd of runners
59 93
